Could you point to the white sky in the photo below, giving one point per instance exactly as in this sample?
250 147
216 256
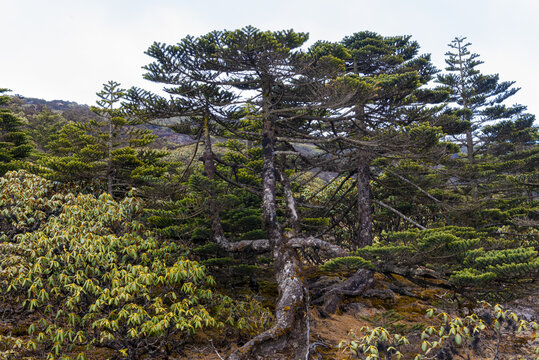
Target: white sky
66 49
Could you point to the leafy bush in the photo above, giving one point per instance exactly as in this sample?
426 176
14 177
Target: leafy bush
92 275
480 332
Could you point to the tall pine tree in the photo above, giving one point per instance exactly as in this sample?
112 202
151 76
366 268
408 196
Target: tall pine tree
380 123
476 100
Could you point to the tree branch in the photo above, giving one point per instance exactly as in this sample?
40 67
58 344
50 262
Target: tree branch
261 245
414 185
315 243
400 214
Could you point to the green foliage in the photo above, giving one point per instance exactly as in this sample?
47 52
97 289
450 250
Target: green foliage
315 223
207 249
113 149
507 265
472 330
26 201
200 234
86 271
248 317
93 274
254 235
219 262
467 258
500 143
14 144
44 127
375 343
346 264
481 331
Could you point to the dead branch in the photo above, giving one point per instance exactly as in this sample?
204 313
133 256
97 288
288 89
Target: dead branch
400 214
261 245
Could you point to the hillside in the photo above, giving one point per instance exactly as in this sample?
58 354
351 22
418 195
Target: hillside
75 112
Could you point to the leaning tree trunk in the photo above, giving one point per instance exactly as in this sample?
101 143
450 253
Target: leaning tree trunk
287 337
364 207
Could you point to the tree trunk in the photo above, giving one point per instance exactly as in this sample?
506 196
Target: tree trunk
364 196
287 337
471 160
364 204
109 159
293 218
217 232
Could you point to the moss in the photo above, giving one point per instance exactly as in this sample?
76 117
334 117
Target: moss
416 308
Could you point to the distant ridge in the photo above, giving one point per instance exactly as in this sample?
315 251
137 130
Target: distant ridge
76 112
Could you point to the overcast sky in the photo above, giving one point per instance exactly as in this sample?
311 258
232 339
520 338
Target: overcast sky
66 49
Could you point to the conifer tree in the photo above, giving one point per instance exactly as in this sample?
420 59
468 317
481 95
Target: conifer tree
43 128
112 149
14 144
476 100
381 122
198 106
263 67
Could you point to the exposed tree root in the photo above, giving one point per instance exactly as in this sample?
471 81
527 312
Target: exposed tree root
288 332
331 296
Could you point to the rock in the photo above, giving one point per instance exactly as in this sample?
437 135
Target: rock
355 308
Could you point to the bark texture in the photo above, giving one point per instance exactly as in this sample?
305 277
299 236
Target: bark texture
364 204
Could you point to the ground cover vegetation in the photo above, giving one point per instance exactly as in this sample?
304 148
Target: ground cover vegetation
342 186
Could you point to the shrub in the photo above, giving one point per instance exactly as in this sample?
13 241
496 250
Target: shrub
92 275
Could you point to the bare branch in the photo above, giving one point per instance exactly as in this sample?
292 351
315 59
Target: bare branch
413 184
400 214
261 245
315 243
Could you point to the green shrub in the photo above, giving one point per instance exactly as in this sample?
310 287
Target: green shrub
92 274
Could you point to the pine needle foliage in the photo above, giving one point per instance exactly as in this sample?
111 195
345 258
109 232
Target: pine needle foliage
14 143
112 148
480 261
